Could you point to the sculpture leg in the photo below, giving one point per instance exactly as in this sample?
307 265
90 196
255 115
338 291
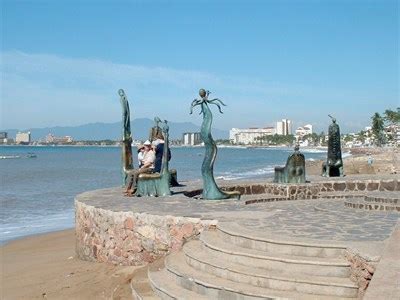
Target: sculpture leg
341 171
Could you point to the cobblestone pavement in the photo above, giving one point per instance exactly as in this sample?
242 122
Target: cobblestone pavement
323 219
326 219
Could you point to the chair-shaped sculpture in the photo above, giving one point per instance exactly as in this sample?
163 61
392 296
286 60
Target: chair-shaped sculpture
333 167
294 171
157 184
153 135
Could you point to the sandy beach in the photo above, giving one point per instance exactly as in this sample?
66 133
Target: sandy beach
384 161
46 267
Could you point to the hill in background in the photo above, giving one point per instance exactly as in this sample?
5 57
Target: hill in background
113 131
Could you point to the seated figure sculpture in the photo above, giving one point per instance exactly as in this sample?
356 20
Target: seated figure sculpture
294 171
155 133
157 184
333 167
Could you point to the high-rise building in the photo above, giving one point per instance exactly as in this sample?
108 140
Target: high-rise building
284 127
249 135
191 138
23 138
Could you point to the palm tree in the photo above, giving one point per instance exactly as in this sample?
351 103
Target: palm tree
377 129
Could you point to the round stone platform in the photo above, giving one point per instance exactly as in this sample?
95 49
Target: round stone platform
132 231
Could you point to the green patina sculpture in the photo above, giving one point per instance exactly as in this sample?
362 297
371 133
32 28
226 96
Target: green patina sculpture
157 184
210 189
127 161
333 167
155 130
294 171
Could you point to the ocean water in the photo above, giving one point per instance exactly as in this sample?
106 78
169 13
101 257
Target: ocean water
37 194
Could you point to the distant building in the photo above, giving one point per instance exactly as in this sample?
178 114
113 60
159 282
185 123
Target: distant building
284 127
304 130
3 137
23 138
249 135
191 138
51 139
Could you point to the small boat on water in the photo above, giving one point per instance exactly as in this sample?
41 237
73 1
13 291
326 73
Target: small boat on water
31 155
9 156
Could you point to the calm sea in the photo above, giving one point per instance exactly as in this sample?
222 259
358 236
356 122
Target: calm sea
37 194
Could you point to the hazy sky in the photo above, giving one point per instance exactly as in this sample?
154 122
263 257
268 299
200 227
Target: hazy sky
62 62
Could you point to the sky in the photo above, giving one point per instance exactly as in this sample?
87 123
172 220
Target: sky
62 62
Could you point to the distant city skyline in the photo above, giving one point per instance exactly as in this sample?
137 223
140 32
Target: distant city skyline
267 60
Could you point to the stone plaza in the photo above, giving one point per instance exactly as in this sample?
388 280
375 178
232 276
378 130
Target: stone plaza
324 239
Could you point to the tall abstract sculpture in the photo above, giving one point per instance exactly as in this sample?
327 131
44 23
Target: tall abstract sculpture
127 161
333 167
210 189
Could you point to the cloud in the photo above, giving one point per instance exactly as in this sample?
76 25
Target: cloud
41 90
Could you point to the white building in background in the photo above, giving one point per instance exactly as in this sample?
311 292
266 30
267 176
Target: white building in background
51 139
284 127
191 138
304 130
249 135
23 138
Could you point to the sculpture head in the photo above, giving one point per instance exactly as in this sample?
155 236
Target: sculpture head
203 93
297 147
121 92
333 119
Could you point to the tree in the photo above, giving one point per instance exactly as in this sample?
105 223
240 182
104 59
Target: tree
392 120
392 117
377 129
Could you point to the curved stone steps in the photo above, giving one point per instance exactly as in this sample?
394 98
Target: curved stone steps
165 286
373 204
214 287
264 241
393 198
277 280
333 267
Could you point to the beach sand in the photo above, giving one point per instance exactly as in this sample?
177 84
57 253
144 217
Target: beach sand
46 267
385 161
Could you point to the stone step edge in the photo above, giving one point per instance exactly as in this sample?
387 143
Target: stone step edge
245 233
305 260
161 285
357 201
263 293
189 248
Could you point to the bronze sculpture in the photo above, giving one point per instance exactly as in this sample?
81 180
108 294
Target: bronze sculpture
210 189
157 184
127 160
295 169
333 167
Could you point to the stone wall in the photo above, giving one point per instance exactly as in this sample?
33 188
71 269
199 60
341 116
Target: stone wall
315 189
361 269
127 238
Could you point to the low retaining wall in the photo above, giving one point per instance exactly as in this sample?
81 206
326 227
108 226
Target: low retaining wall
315 189
127 238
